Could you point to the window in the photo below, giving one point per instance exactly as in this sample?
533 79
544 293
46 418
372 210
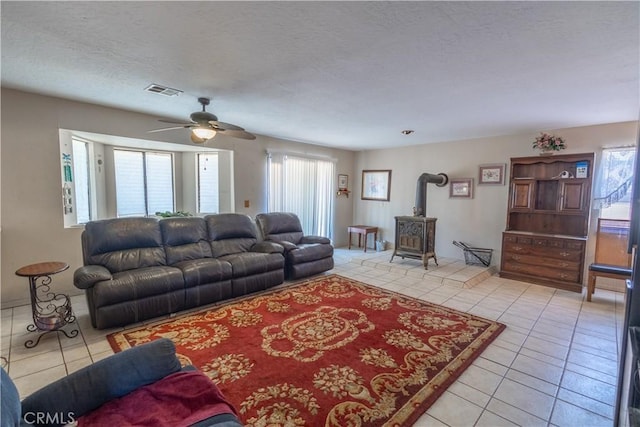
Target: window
107 176
81 179
303 186
208 189
144 182
614 181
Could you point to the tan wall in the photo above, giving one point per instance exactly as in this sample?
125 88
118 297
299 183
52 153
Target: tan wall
479 221
31 219
31 212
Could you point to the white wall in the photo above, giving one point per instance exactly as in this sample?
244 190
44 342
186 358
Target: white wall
31 207
479 221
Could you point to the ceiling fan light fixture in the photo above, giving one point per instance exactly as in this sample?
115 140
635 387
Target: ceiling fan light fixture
204 132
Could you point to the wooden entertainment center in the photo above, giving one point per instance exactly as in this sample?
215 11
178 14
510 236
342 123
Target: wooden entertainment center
548 220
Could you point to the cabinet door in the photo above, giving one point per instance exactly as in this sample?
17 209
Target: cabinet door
521 192
572 196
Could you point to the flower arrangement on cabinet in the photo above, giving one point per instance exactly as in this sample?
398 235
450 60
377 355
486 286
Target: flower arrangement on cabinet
547 142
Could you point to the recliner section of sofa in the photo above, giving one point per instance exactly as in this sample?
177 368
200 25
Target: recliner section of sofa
126 277
304 255
206 279
140 268
256 265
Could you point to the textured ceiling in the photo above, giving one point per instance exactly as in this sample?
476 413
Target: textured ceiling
344 74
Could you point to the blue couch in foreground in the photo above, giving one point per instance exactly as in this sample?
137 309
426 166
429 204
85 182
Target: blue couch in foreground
141 385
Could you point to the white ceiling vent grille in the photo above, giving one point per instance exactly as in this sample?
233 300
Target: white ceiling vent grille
162 90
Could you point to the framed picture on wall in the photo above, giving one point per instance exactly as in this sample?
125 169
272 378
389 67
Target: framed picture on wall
461 188
376 185
343 182
491 174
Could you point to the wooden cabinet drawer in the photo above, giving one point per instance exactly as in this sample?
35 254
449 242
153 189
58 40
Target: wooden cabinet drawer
546 262
542 271
575 244
543 251
512 238
524 240
537 241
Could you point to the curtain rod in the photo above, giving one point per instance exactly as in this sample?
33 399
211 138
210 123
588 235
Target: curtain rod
299 154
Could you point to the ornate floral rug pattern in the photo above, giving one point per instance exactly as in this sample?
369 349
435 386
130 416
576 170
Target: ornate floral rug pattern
328 351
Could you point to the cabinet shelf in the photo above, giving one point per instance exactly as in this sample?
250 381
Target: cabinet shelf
546 212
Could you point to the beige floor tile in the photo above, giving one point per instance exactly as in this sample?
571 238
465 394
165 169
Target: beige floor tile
566 414
514 414
532 382
549 348
471 394
22 367
481 379
35 381
584 402
78 364
454 410
489 419
594 389
593 362
526 398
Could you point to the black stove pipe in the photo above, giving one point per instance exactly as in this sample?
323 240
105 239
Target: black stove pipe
440 180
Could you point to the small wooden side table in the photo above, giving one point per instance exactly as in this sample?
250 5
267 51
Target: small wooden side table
50 311
363 230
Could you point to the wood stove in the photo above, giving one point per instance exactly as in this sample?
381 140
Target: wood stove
416 235
415 238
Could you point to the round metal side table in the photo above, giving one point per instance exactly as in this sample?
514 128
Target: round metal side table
50 311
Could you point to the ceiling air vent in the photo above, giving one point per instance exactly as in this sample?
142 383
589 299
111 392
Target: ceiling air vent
163 90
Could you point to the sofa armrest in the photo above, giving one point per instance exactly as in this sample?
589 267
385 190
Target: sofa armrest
87 276
315 239
110 378
268 248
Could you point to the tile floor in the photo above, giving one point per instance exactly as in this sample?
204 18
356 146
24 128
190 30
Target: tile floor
554 365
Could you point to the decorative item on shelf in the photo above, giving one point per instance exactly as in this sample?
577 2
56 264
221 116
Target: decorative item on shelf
548 143
343 185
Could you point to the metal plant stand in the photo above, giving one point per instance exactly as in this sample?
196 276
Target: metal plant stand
50 311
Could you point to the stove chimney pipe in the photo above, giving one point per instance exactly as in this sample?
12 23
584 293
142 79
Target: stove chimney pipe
440 180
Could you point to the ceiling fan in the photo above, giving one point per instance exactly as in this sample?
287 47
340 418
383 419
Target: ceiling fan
205 125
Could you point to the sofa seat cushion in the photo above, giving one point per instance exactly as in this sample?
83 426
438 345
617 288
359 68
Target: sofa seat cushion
309 252
198 272
136 284
250 263
180 399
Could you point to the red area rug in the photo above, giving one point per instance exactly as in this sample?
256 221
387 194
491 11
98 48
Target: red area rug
328 351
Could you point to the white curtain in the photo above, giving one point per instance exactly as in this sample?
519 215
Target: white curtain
303 186
614 179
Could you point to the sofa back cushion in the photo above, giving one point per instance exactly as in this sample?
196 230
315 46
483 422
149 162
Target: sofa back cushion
280 227
230 233
121 244
185 239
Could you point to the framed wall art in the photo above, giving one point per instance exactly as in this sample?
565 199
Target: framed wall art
376 185
491 174
461 188
343 182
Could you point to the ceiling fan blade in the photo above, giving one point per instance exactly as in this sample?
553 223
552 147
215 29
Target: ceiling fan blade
171 128
242 134
224 126
175 122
